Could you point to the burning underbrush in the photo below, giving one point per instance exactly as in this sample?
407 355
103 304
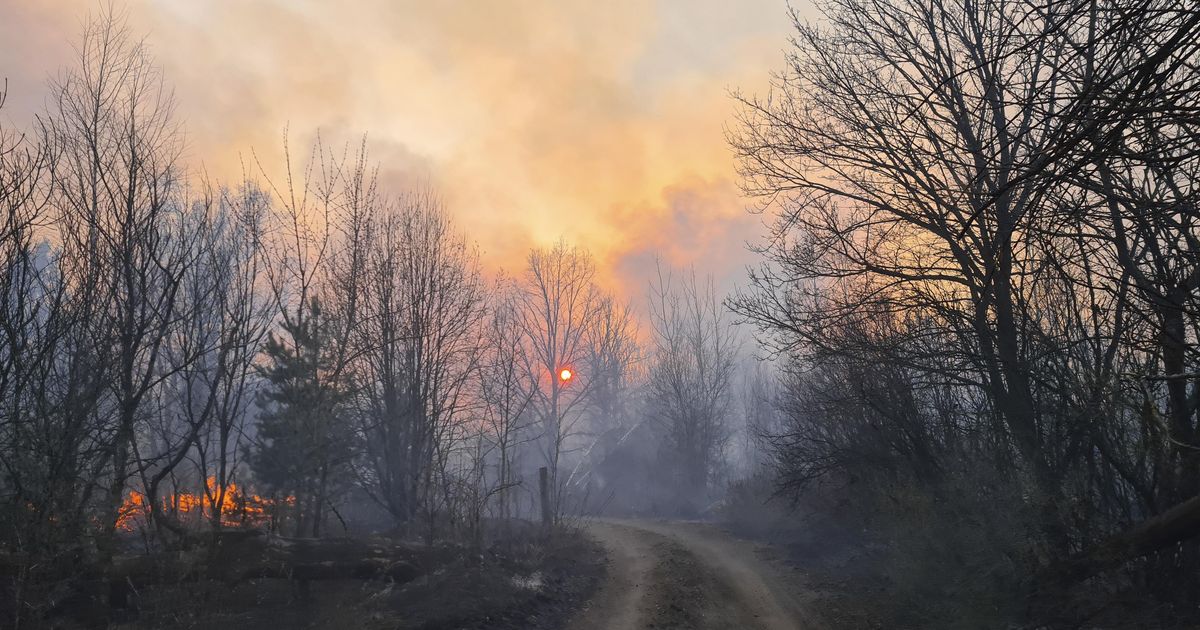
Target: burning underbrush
236 506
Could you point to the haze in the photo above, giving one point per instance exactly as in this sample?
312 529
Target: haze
599 122
537 315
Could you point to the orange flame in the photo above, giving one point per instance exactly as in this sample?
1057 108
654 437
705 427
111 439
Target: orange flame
236 507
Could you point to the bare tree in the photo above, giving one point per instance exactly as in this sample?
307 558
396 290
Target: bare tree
416 347
121 206
505 389
217 390
560 305
691 377
759 393
996 214
44 454
614 370
612 364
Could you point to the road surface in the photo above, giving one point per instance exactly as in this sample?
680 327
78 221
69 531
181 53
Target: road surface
664 574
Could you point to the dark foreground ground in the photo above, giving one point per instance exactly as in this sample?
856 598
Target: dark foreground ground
527 587
604 574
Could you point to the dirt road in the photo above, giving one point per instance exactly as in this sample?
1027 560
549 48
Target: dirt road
665 574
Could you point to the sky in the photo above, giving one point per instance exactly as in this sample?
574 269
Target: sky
599 122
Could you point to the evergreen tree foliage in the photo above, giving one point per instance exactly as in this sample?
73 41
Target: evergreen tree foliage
303 439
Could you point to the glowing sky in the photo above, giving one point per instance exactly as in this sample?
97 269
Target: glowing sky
601 122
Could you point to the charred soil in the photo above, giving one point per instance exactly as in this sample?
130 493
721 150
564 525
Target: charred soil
526 584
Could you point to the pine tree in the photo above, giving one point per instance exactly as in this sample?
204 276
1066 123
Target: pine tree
303 439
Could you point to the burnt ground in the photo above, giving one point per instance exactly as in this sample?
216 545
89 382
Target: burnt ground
846 586
525 586
844 591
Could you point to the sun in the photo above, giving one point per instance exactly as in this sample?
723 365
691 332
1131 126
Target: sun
565 375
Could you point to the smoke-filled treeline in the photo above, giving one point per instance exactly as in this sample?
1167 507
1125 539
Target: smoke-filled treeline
982 277
303 351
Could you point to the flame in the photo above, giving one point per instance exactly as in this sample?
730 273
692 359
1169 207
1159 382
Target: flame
236 507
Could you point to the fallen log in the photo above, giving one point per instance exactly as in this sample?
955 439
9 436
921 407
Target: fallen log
317 559
1176 525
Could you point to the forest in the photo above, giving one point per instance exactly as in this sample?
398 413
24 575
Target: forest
959 387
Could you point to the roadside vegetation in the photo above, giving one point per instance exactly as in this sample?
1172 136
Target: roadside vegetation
980 281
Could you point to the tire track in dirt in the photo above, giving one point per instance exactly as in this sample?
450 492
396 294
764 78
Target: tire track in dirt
631 558
665 574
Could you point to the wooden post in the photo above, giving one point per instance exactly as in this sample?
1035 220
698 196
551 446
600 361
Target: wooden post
544 490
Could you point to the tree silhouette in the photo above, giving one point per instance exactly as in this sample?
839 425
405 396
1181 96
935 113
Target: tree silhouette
303 440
